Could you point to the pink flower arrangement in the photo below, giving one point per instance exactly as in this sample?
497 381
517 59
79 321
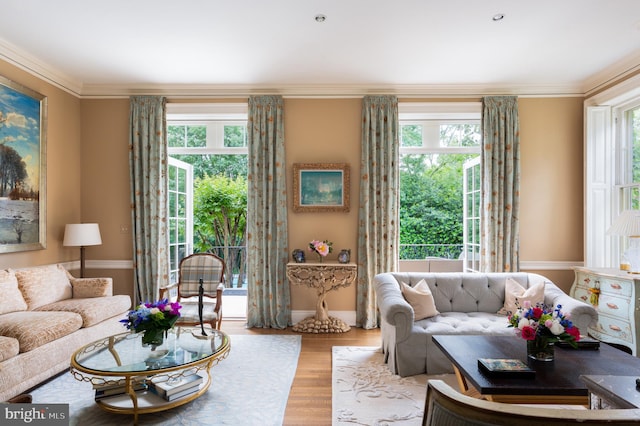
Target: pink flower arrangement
322 248
540 322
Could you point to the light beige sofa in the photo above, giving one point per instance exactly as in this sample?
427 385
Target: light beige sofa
45 315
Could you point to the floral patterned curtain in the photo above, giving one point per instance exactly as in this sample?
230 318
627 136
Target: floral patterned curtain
500 184
378 218
148 169
268 296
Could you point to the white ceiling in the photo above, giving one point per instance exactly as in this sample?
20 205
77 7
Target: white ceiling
408 47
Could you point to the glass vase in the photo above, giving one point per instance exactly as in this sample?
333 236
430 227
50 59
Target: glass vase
540 349
153 337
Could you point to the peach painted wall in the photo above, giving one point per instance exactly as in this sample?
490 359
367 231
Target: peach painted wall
324 131
551 209
62 170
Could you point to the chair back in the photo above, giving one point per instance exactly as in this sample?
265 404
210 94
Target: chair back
445 406
206 266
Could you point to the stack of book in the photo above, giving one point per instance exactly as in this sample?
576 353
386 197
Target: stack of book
172 389
118 387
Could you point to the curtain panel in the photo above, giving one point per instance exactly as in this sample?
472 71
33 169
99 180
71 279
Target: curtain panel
500 175
269 299
148 169
378 217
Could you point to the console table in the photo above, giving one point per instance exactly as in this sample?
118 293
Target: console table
614 294
323 277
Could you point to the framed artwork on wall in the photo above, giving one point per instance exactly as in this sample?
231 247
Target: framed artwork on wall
23 121
321 187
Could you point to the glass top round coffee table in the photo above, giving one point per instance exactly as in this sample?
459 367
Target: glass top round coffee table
129 377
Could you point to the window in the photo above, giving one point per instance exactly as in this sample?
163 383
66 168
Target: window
436 140
207 145
612 170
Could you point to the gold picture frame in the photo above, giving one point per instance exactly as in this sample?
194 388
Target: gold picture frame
321 187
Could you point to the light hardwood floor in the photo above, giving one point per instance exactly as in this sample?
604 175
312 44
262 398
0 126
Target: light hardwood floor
310 397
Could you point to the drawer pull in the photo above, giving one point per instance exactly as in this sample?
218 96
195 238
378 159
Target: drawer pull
615 327
612 306
616 286
584 298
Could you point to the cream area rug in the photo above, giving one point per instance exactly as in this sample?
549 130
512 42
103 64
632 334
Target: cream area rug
365 392
250 387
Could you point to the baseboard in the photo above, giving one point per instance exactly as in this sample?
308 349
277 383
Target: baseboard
348 317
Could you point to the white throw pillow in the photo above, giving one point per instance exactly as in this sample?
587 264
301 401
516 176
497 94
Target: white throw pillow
515 295
420 299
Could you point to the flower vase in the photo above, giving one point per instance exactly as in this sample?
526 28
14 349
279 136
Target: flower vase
320 258
540 349
153 338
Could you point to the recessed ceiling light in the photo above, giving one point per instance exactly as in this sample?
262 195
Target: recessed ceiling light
320 18
498 17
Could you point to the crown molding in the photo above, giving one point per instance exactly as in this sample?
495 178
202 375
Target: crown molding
328 91
37 68
34 66
612 75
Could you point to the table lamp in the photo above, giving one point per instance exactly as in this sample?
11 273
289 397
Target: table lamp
628 225
82 235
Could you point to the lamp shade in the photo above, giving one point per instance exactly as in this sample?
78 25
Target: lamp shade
627 224
82 234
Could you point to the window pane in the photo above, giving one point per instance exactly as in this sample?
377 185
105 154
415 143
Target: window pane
411 135
196 136
635 144
172 231
172 179
459 135
172 204
182 180
182 205
235 136
176 136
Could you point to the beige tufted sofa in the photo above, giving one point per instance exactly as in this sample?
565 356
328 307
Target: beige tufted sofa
45 315
467 303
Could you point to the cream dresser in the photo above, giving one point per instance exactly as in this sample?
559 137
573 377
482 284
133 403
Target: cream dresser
614 294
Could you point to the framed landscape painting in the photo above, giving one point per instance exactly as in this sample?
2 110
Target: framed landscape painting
321 187
23 115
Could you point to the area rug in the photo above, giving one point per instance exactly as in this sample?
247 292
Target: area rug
250 387
365 392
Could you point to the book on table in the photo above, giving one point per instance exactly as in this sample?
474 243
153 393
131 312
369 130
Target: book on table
506 367
118 387
184 392
167 388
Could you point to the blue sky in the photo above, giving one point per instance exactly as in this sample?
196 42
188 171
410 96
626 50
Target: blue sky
20 129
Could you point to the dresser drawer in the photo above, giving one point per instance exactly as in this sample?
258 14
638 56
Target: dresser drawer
612 327
614 306
581 293
618 287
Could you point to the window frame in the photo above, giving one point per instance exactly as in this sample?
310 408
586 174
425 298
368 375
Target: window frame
441 113
607 169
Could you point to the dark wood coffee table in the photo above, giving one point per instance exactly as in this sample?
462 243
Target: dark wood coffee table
556 382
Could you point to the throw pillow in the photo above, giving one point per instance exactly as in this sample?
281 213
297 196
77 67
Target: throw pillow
515 295
91 287
420 299
12 300
42 285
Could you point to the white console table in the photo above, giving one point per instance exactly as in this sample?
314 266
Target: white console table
323 277
615 294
